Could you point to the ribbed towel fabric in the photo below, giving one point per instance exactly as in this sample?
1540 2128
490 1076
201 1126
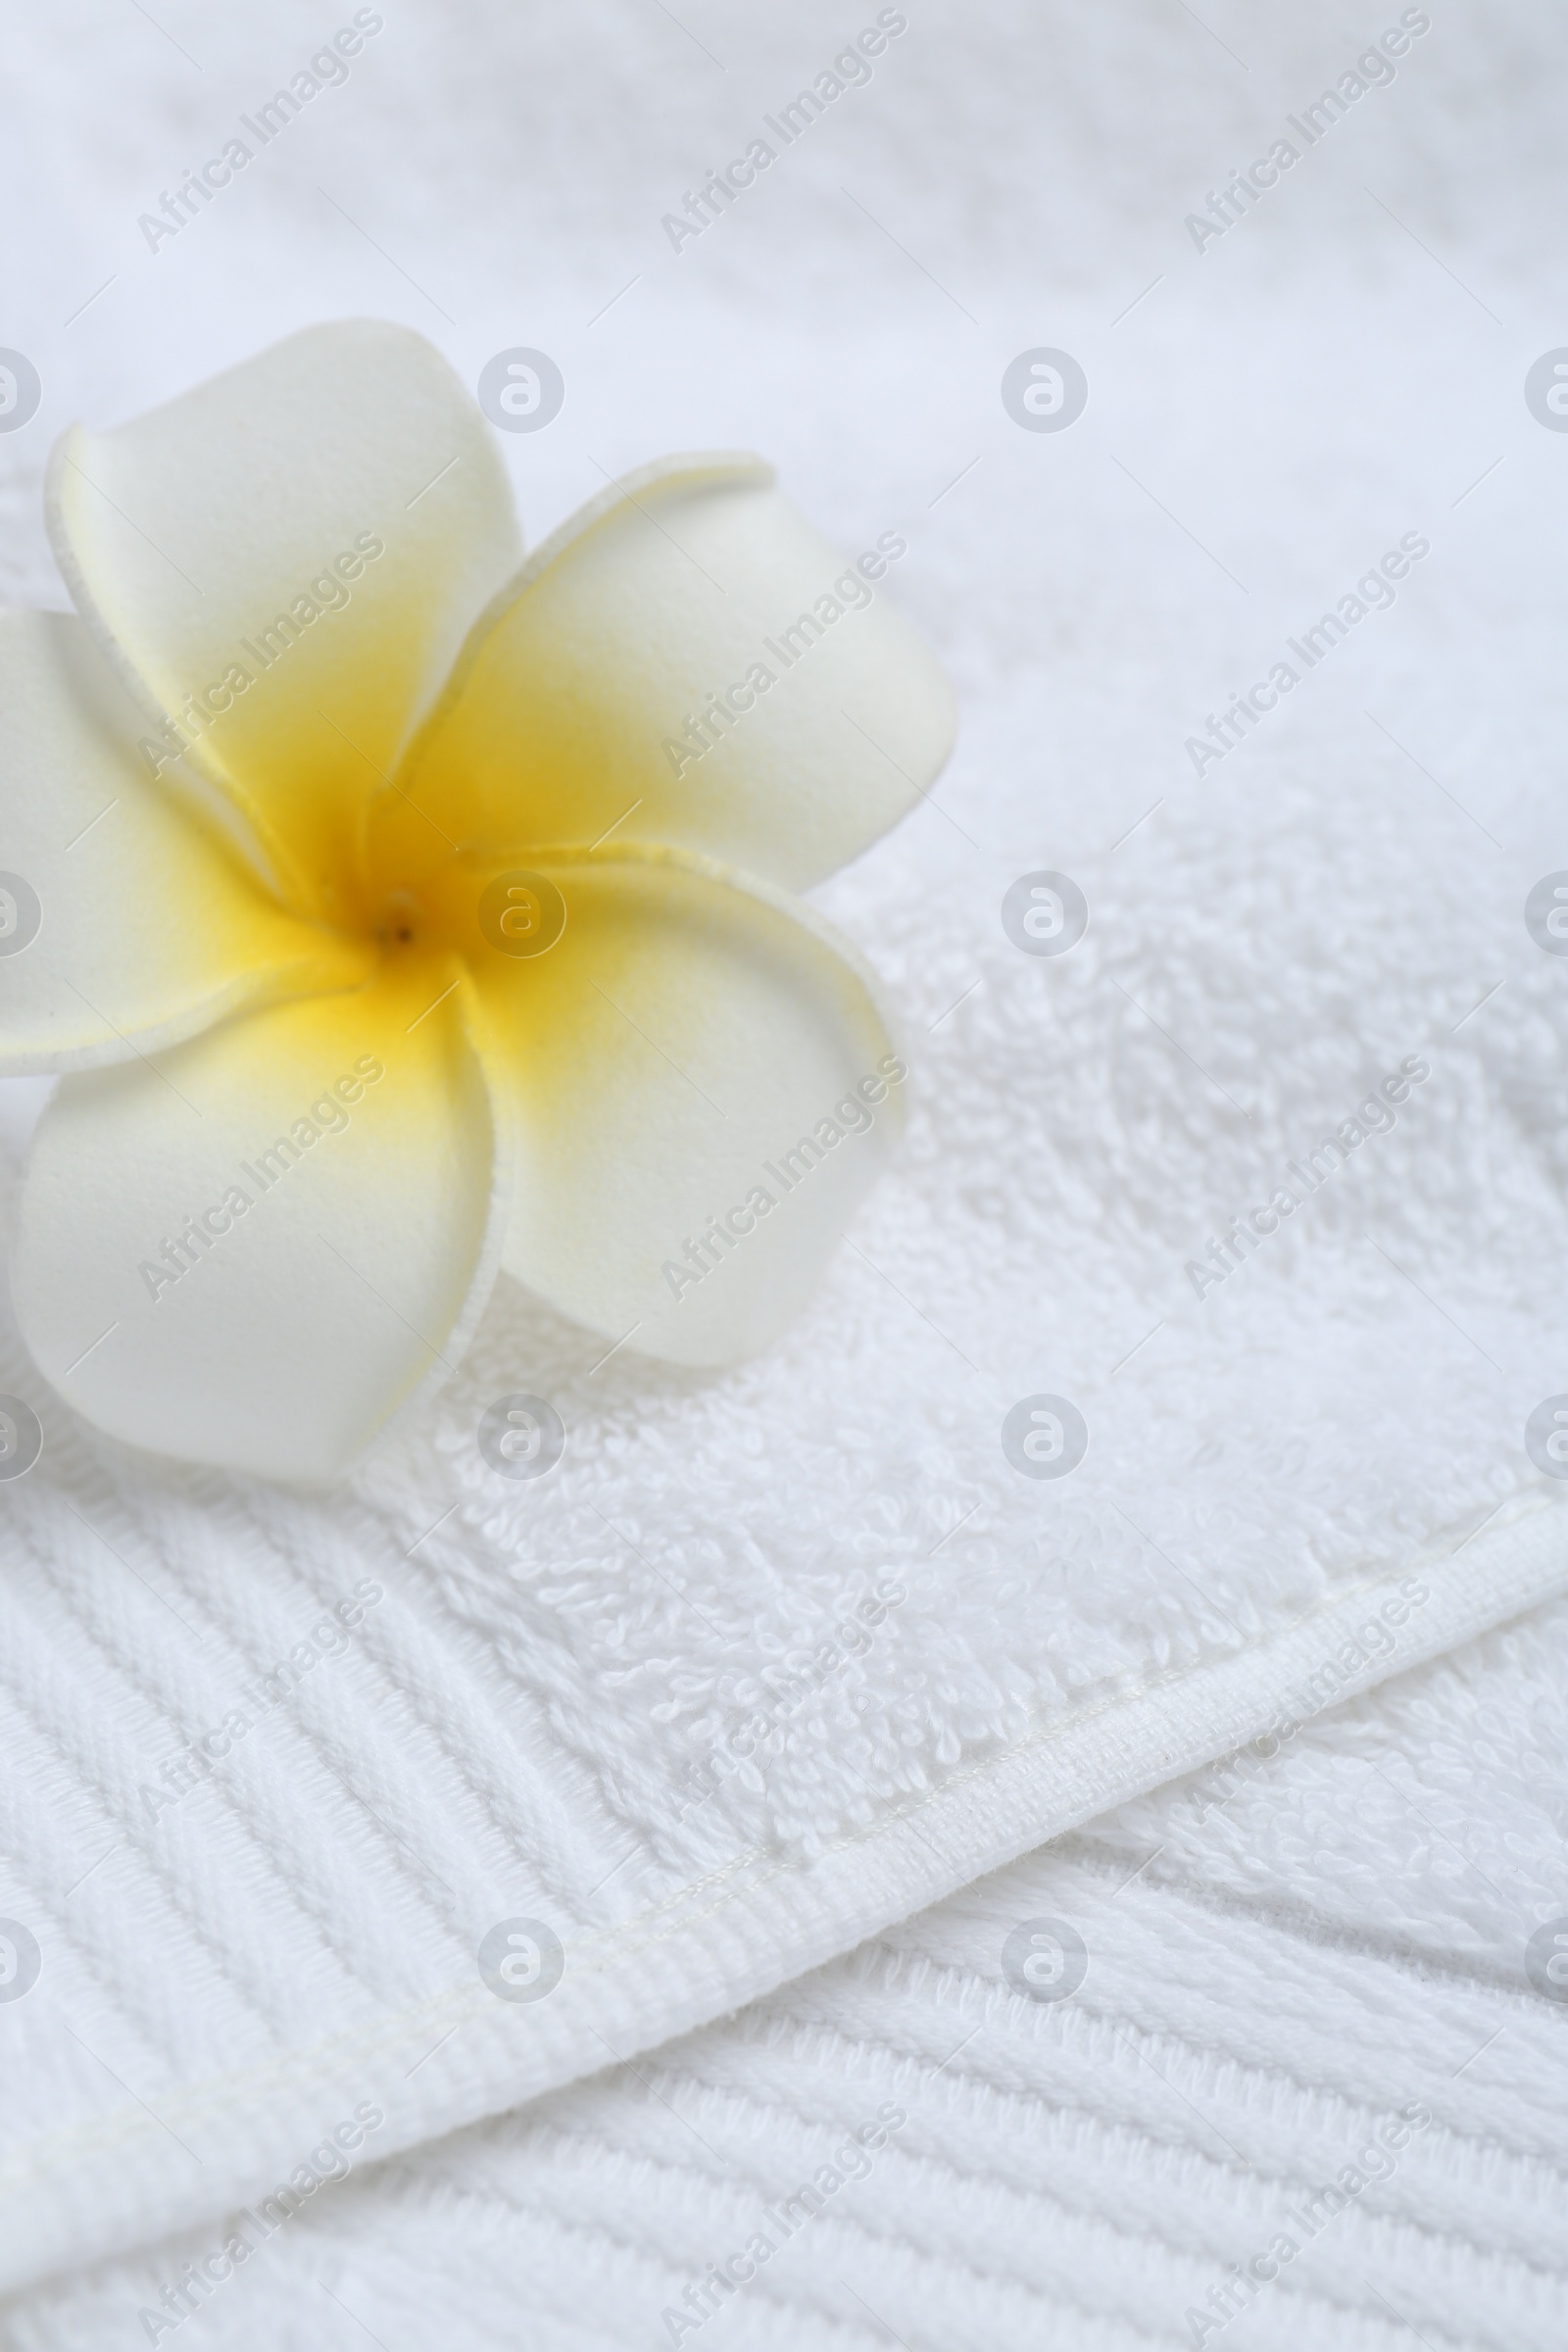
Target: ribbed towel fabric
1305 2015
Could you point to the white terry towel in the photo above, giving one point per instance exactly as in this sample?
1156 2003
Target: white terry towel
1300 2019
539 1711
1312 1475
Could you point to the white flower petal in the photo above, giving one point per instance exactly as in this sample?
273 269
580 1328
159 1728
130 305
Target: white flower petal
563 707
694 1047
323 521
337 1273
125 925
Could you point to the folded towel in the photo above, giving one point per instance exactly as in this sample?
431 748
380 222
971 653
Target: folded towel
1300 2019
280 1766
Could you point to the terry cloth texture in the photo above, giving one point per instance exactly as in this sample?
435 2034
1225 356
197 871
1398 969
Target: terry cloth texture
641 1704
1305 2017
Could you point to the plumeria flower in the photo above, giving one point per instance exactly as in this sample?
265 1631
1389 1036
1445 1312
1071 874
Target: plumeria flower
399 910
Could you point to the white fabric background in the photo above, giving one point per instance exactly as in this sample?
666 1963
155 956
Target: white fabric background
512 1733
